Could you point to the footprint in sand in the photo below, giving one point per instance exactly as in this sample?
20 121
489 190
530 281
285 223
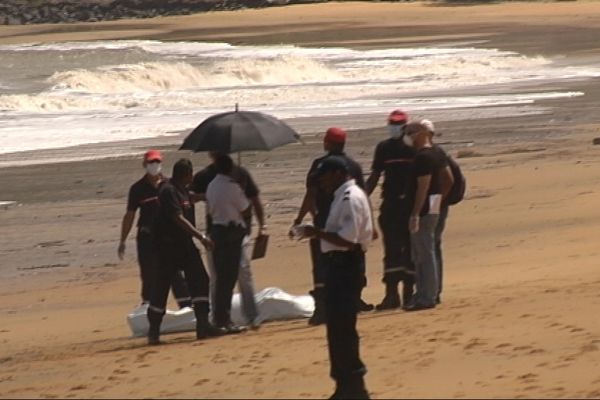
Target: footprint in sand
201 382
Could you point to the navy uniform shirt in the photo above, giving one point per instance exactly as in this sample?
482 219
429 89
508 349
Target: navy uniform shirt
239 174
394 159
144 195
173 201
323 200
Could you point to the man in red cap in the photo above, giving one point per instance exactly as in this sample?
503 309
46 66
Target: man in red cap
394 159
317 202
143 194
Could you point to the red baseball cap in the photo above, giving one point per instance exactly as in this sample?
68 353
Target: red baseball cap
398 117
152 155
335 135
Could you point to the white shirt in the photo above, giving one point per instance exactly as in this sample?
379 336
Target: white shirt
225 201
350 217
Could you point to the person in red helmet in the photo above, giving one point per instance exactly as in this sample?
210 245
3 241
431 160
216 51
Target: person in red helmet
143 195
318 202
394 160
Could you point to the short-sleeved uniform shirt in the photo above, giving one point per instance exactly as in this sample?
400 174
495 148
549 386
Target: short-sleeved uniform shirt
350 217
225 201
429 161
323 199
394 159
144 195
240 174
173 201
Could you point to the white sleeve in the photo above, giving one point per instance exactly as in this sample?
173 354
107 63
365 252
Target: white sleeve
348 222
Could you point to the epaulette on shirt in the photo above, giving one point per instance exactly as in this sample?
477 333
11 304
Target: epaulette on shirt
346 195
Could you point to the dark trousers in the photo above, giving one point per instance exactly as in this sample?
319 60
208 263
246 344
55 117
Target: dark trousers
174 257
344 283
397 263
148 261
226 259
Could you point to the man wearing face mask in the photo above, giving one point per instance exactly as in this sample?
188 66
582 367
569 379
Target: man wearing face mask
393 158
143 194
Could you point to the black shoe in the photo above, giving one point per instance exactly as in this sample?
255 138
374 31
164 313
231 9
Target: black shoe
153 340
364 306
209 330
154 335
318 318
388 303
418 307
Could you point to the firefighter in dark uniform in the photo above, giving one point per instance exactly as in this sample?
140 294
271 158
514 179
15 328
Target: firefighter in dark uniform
143 194
174 231
344 239
394 159
317 202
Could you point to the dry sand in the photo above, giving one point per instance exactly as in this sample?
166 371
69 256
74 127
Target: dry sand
519 307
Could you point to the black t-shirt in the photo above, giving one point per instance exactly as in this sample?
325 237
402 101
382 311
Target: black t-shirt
394 159
173 201
144 195
429 161
323 200
239 174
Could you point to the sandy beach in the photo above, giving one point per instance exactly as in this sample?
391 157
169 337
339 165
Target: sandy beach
517 318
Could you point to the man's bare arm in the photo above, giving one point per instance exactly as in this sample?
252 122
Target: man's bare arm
371 183
126 226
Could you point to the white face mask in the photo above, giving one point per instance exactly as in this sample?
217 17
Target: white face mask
396 131
408 140
153 169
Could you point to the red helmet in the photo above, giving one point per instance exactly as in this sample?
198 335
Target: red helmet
335 135
398 117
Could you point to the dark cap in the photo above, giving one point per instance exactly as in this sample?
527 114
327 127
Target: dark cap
330 164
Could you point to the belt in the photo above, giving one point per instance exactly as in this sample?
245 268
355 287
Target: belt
229 225
334 253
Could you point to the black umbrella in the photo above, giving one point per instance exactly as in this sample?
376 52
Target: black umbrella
237 131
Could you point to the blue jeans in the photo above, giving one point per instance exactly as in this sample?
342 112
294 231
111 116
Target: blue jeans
425 260
439 230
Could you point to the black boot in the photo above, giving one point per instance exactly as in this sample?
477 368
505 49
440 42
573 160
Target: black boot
155 319
204 329
354 389
318 316
391 299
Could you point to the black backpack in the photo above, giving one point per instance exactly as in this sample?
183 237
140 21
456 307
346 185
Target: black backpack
457 192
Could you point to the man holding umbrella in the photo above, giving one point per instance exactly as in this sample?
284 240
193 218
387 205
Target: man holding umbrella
244 179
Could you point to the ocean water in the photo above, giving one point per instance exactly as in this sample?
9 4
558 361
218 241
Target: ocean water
71 94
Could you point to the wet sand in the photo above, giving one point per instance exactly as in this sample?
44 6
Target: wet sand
517 318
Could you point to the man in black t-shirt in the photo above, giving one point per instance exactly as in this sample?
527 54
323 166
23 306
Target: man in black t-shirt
174 230
430 170
245 280
317 202
143 194
394 160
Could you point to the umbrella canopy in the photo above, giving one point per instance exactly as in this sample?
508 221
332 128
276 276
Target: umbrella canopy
237 131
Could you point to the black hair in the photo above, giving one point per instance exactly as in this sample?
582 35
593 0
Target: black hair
182 168
223 164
